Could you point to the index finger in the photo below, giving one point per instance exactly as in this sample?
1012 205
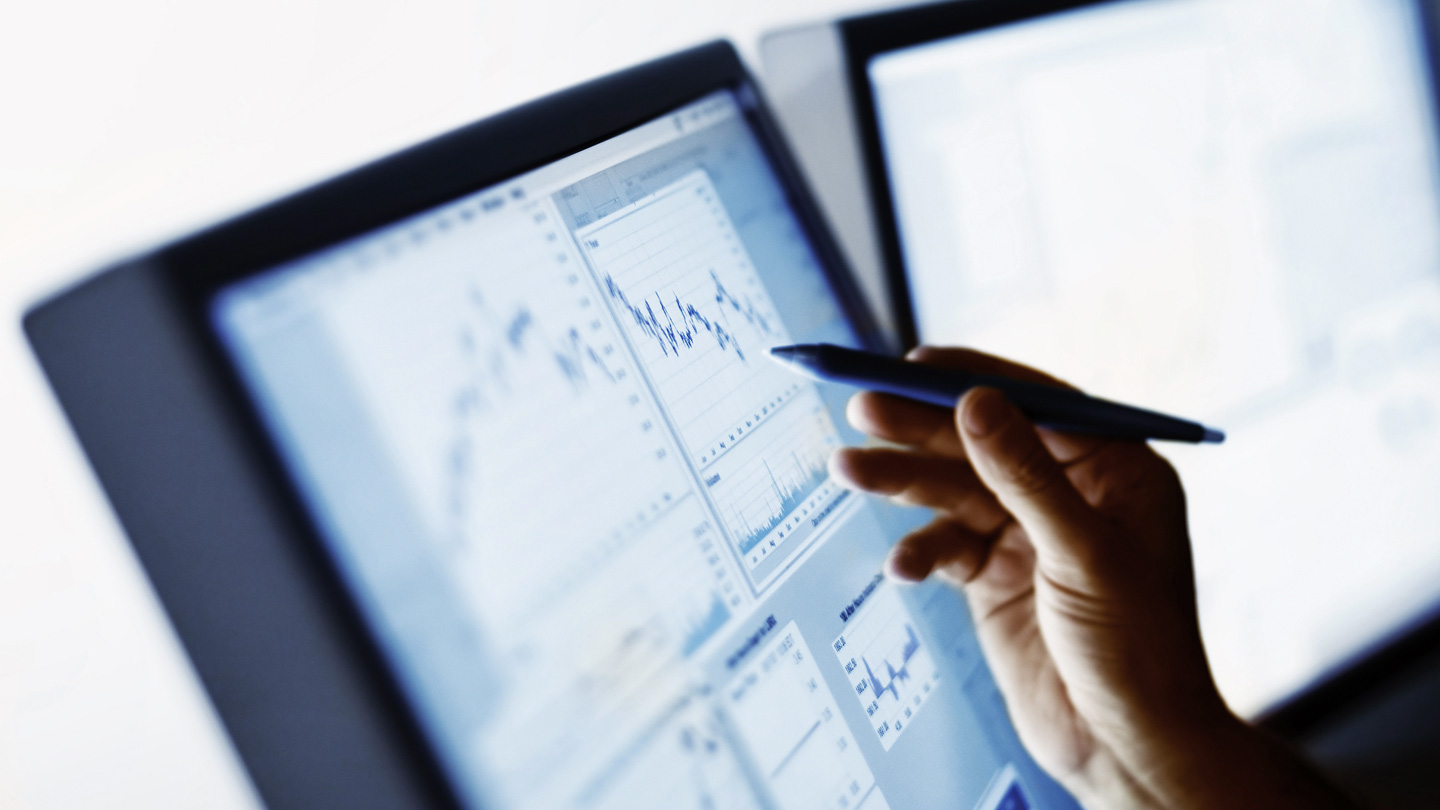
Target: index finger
922 425
905 422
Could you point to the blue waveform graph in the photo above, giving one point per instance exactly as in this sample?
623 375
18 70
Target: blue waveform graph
495 342
894 676
507 353
673 336
673 269
519 325
889 668
784 498
577 358
745 309
772 485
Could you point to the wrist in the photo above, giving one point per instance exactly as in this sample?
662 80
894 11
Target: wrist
1175 765
1231 764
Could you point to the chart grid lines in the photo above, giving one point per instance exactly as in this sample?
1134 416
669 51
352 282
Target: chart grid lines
691 306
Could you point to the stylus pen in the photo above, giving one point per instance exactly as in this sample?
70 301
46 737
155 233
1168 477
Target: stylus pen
1048 406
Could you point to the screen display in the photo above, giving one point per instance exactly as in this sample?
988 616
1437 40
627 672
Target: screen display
587 517
1224 209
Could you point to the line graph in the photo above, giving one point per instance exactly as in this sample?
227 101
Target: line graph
673 337
677 276
773 490
889 669
893 675
762 492
554 500
493 344
674 271
804 478
495 376
505 355
575 356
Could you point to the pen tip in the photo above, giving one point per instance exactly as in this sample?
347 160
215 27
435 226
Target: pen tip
1213 436
797 358
783 359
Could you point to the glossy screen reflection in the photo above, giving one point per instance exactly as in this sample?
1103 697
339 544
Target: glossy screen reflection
590 521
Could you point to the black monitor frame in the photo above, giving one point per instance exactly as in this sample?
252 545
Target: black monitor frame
198 484
865 37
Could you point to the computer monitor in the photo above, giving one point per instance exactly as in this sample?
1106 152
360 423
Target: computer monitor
1223 208
467 481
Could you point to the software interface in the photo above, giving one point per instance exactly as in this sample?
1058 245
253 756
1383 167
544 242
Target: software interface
589 519
1224 209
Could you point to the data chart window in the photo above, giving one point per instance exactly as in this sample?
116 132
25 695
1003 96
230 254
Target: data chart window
589 518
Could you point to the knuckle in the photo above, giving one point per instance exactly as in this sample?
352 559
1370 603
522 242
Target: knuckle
1032 470
1122 472
1109 474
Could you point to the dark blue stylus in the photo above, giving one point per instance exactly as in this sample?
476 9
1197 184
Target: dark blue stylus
1046 405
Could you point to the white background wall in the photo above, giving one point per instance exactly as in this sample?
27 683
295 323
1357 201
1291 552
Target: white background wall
124 123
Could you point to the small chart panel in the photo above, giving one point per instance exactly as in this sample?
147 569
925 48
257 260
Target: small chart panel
889 668
677 276
773 489
673 270
795 732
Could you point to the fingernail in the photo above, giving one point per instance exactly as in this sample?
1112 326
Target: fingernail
986 412
855 412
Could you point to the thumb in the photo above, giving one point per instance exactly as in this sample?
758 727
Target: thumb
1012 462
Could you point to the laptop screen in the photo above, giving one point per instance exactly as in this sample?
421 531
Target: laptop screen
589 521
1223 208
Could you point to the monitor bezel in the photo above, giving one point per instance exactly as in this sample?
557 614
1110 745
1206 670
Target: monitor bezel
867 36
179 446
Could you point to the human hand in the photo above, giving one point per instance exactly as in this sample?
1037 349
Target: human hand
1075 557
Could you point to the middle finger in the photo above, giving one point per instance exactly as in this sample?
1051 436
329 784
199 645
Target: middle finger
905 421
947 485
